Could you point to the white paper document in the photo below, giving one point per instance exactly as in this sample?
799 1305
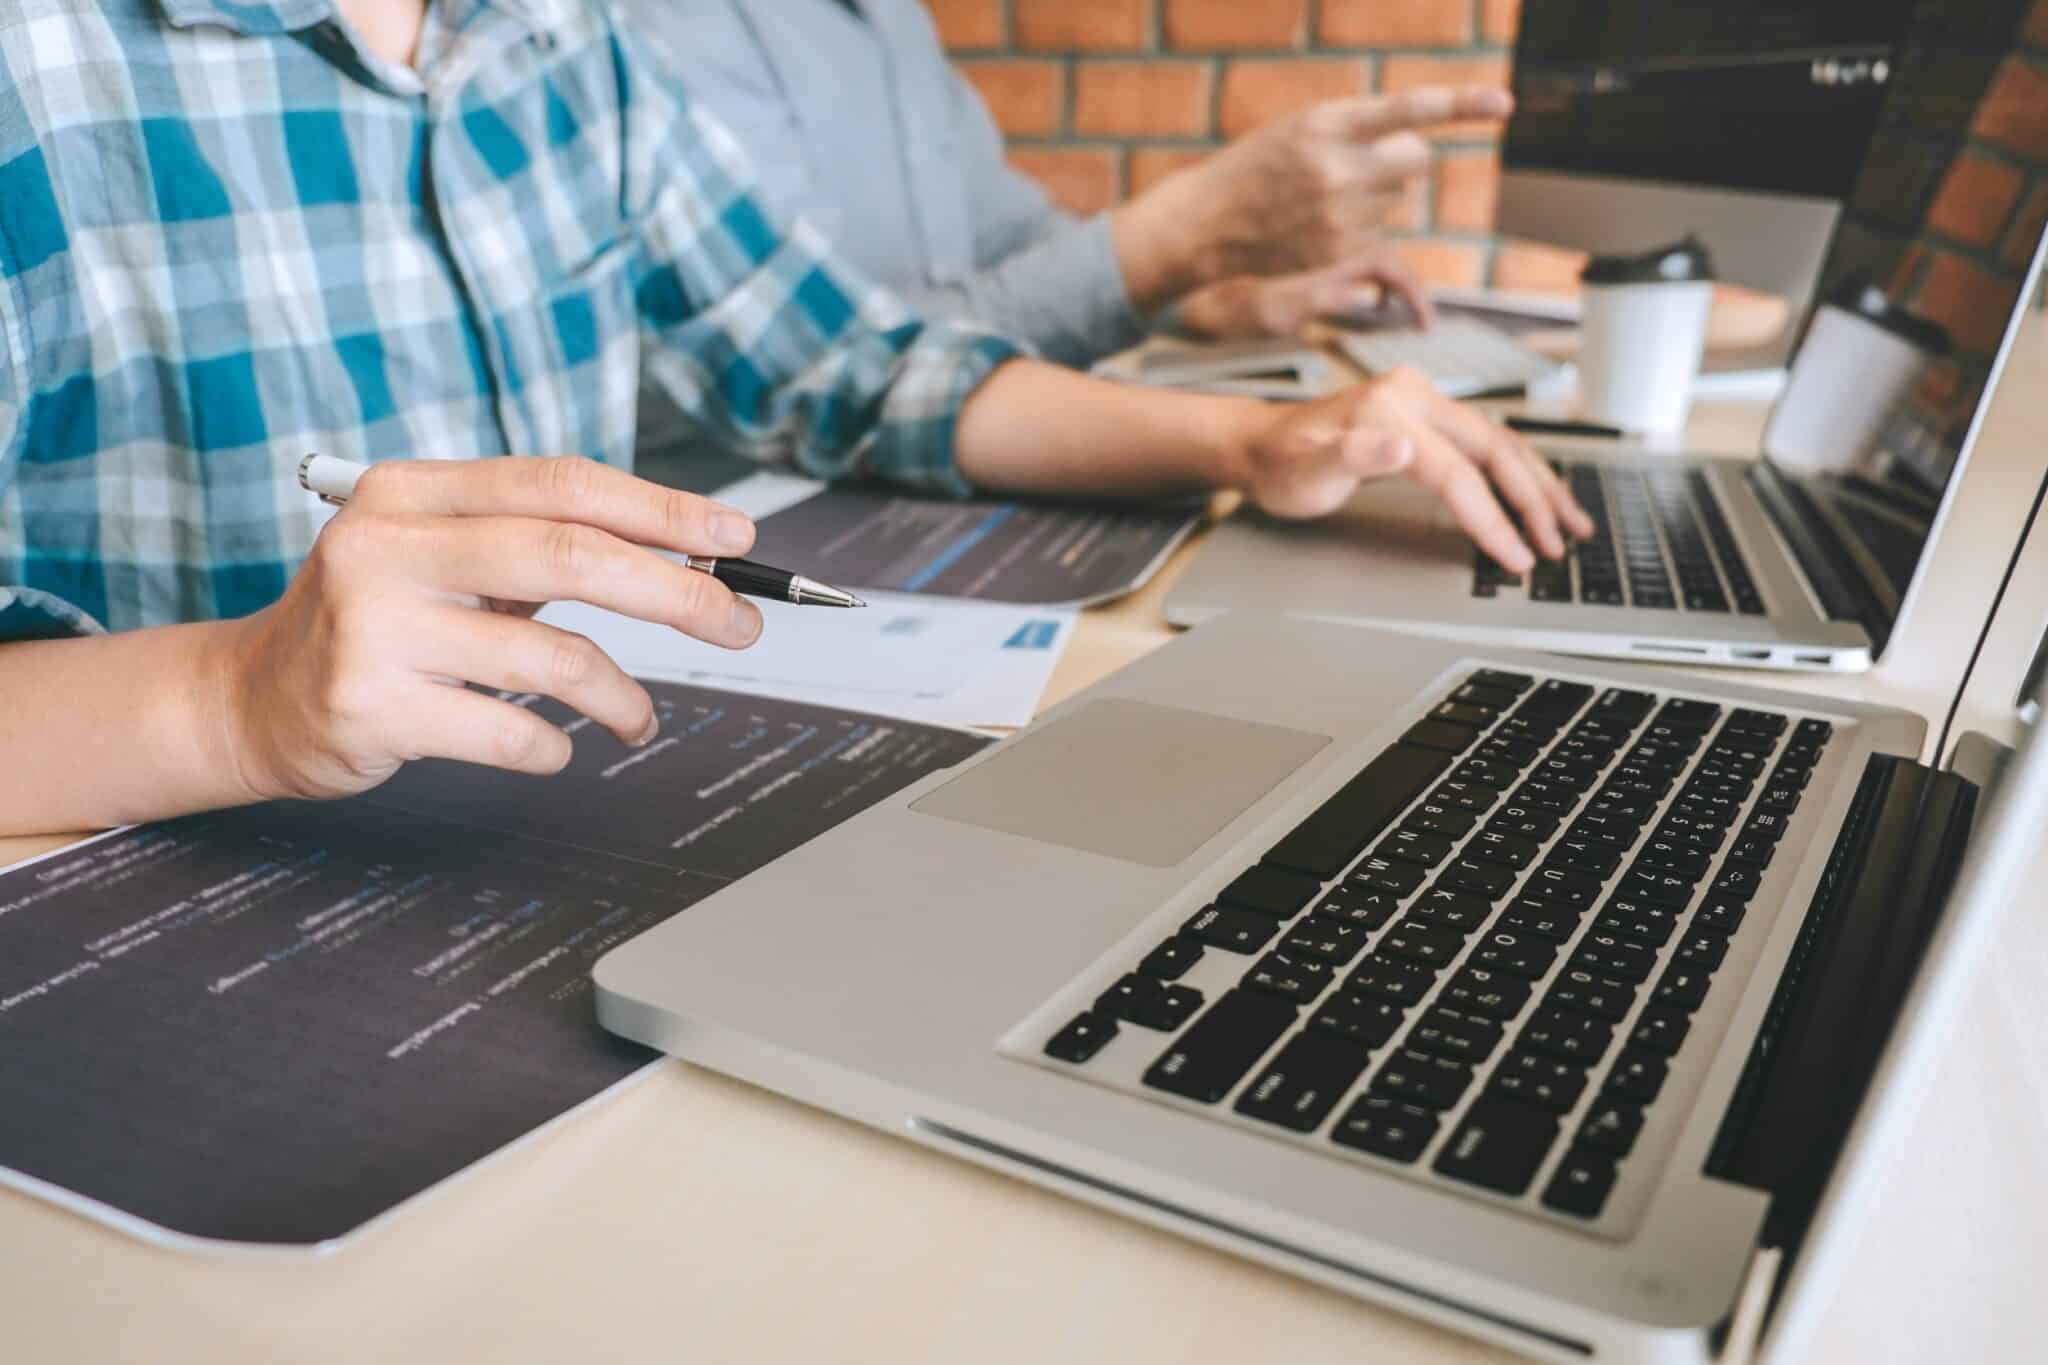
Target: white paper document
938 660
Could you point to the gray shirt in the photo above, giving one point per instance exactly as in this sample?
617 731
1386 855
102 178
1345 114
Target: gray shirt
860 124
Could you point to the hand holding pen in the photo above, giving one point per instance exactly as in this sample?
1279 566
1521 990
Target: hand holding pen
427 580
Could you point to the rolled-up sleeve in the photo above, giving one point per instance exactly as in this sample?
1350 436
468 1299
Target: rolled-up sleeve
26 612
765 338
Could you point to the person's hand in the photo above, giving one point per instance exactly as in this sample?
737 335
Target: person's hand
1306 460
1248 306
1303 192
426 580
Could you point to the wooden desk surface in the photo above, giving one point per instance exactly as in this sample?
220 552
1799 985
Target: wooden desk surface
691 1217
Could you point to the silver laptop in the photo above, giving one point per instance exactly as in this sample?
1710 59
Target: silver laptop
1705 560
1534 997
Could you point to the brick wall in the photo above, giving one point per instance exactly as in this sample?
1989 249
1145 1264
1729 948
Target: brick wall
1101 98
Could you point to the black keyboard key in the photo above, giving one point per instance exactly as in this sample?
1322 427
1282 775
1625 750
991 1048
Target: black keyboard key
1611 1124
1703 951
1129 998
1461 1037
1566 1035
1484 696
1581 1183
1548 797
1659 887
1604 954
1493 995
1418 941
1387 1128
1236 931
1341 828
1296 978
1717 916
1736 883
1368 1023
1638 1074
1213 1055
1523 822
1172 958
1326 938
1443 735
1431 818
1275 891
1551 923
1458 911
1581 855
1683 714
1623 708
1561 886
1502 850
1304 1081
1556 699
1420 1079
1409 846
1768 723
1360 905
1082 1038
1584 993
1498 1145
1813 732
1778 800
1488 773
1611 830
1673 859
1660 1029
1478 879
1514 954
1470 797
1474 717
1544 1082
1384 874
1502 681
1682 988
1551 581
1515 753
1390 979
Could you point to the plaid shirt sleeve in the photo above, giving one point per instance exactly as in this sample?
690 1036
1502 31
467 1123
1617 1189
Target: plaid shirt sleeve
762 334
25 613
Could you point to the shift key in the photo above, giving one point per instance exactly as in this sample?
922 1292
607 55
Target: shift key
1218 1048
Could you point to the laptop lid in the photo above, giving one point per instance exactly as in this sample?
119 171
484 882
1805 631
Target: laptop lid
1939 243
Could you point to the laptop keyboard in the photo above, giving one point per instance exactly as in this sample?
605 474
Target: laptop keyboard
1495 989
1660 541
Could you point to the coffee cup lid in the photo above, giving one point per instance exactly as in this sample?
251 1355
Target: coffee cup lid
1856 294
1678 263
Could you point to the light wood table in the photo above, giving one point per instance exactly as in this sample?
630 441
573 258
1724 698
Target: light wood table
693 1218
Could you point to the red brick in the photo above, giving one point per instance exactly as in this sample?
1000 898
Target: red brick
1141 99
1467 184
1080 179
1236 24
1967 299
1150 165
1083 25
2025 235
1531 268
1499 19
1452 263
1395 23
1976 199
1257 92
1024 97
1401 74
2015 112
965 25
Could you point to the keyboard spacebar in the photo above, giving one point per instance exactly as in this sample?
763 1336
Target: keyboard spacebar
1341 827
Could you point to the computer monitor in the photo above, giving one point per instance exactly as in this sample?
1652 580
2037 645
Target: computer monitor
1743 122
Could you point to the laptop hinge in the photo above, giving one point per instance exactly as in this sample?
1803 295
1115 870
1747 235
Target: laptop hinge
1843 596
1858 952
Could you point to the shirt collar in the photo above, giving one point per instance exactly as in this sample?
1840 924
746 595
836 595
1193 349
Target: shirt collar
258 17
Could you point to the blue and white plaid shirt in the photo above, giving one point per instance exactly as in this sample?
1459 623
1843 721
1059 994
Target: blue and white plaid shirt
229 235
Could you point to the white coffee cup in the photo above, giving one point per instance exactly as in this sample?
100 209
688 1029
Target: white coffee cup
1862 356
1642 330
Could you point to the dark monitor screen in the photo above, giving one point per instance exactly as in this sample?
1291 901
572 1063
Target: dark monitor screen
1944 216
1738 94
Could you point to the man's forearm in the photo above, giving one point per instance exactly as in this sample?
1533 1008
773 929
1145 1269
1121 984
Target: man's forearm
1039 429
111 729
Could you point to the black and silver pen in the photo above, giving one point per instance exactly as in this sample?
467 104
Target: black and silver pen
334 479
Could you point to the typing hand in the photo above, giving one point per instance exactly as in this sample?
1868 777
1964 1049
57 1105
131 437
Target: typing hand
1248 306
1307 460
426 581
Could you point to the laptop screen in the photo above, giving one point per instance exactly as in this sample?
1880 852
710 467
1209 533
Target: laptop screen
1938 239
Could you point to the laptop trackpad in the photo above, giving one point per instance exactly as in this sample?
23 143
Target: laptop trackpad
1126 779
